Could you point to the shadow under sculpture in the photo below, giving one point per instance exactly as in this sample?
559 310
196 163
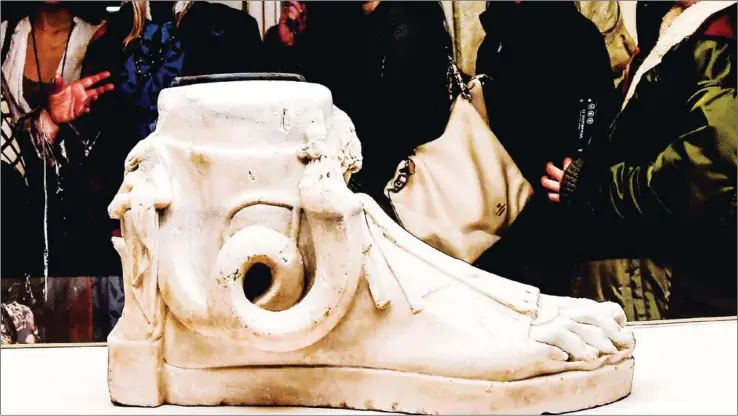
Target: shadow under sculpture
360 314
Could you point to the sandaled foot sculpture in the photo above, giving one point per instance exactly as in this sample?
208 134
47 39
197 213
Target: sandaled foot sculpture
359 313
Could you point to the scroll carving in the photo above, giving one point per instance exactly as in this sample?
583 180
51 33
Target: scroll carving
230 180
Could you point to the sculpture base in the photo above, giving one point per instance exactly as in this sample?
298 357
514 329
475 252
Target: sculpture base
392 391
134 371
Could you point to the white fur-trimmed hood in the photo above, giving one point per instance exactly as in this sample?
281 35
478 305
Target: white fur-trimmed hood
681 27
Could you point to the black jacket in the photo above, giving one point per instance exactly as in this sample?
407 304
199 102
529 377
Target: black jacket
22 235
387 70
542 58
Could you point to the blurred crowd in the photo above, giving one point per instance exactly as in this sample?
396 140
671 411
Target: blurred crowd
642 214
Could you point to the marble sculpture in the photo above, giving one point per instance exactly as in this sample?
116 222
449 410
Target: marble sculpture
359 313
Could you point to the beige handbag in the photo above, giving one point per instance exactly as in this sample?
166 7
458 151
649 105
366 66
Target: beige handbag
459 192
476 93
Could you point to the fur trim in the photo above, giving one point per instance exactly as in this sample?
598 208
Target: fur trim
668 19
683 25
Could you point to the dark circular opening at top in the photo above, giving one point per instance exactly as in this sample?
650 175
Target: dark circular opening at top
257 281
244 76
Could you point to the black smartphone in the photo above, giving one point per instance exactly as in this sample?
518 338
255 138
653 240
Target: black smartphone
586 123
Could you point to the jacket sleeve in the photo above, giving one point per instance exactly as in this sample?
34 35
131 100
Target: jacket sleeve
695 176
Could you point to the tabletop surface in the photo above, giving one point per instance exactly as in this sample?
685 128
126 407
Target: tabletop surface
681 368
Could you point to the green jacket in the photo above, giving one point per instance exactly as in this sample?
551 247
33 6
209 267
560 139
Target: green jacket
663 188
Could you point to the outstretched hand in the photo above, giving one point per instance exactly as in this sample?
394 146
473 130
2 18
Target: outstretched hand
292 22
67 103
552 182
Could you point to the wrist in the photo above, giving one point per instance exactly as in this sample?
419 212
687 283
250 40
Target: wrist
46 125
581 187
286 35
43 133
573 181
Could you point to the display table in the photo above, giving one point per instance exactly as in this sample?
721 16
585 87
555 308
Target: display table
681 368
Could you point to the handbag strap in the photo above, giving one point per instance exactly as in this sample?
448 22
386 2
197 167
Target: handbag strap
456 81
456 88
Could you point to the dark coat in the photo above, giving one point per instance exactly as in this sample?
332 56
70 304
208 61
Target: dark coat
386 70
52 206
542 58
21 251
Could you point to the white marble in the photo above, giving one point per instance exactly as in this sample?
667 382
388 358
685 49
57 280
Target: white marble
254 172
72 380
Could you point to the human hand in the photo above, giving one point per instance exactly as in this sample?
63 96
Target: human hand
292 22
43 136
67 103
552 182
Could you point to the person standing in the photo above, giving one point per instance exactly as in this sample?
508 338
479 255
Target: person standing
43 45
145 46
544 63
386 64
664 185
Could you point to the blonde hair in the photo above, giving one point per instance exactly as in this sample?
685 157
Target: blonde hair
142 12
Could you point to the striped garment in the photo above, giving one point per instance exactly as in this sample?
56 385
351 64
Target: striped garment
9 148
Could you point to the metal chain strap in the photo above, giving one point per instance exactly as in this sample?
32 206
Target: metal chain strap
456 81
456 87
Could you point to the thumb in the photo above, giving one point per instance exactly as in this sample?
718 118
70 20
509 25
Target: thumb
58 84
